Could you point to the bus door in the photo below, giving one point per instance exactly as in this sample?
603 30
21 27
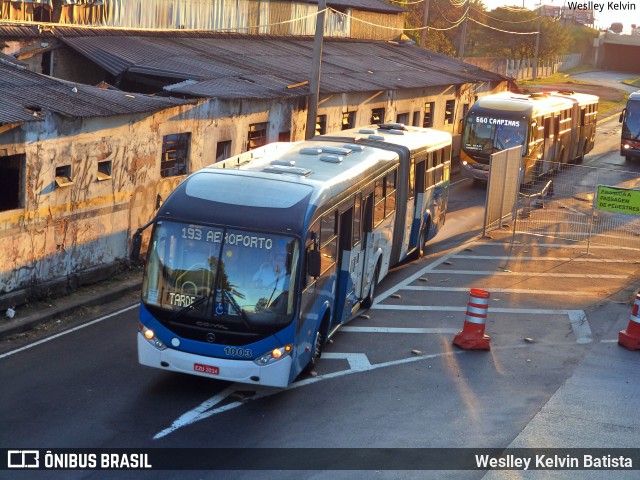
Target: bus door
348 259
420 198
367 247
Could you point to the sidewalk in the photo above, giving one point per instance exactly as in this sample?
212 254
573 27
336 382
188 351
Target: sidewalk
595 408
32 315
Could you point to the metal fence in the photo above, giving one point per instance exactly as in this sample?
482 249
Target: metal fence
561 206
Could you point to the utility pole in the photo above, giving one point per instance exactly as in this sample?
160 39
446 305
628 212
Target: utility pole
425 21
314 81
463 34
535 56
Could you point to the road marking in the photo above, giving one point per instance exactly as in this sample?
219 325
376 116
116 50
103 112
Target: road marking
526 274
397 330
429 268
192 415
544 259
556 245
580 326
357 361
577 318
71 330
445 308
208 408
500 290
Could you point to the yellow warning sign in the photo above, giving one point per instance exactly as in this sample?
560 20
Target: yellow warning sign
619 200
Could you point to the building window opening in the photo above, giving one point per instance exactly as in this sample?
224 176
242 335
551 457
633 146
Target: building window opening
175 155
321 124
284 136
449 112
377 116
63 176
402 118
427 121
348 120
11 182
223 150
257 135
416 119
104 170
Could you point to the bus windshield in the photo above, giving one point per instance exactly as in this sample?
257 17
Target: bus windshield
238 279
485 135
631 125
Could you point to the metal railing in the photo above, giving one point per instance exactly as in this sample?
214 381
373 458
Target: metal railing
561 206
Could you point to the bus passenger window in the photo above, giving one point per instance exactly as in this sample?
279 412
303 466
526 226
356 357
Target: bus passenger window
357 223
328 240
412 179
547 127
390 194
438 171
378 213
429 177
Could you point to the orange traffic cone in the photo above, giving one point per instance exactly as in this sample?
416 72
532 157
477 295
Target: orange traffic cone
472 336
630 338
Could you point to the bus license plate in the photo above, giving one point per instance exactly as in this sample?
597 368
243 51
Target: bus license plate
198 367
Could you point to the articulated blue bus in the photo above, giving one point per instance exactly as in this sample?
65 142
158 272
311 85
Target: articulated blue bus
256 261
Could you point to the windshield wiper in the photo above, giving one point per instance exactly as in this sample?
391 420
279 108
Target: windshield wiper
228 295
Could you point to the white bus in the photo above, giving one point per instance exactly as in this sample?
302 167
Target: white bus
553 128
254 262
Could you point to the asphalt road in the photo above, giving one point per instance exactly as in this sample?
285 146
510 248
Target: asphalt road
391 378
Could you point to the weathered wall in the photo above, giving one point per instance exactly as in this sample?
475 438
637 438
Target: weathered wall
62 230
410 101
65 230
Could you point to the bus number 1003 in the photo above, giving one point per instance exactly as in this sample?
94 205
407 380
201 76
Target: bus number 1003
238 352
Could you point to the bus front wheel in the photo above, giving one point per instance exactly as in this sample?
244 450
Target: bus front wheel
316 352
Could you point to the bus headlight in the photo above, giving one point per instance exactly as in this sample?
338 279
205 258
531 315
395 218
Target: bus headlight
626 146
274 355
150 337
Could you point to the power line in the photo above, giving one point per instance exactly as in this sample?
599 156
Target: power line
500 30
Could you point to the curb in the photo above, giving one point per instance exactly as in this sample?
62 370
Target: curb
67 305
610 117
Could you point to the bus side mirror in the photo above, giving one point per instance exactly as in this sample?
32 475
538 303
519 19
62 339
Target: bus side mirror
622 115
460 126
313 263
136 241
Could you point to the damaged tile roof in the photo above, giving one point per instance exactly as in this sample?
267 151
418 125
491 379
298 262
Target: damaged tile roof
26 96
244 66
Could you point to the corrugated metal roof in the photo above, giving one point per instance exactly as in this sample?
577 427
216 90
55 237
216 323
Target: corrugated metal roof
11 60
26 96
219 64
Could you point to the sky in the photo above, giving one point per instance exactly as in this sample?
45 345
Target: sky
603 19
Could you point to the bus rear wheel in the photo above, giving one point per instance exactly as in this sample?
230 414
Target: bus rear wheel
368 301
421 248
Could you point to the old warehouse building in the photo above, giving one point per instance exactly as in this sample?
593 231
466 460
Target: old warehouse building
84 167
